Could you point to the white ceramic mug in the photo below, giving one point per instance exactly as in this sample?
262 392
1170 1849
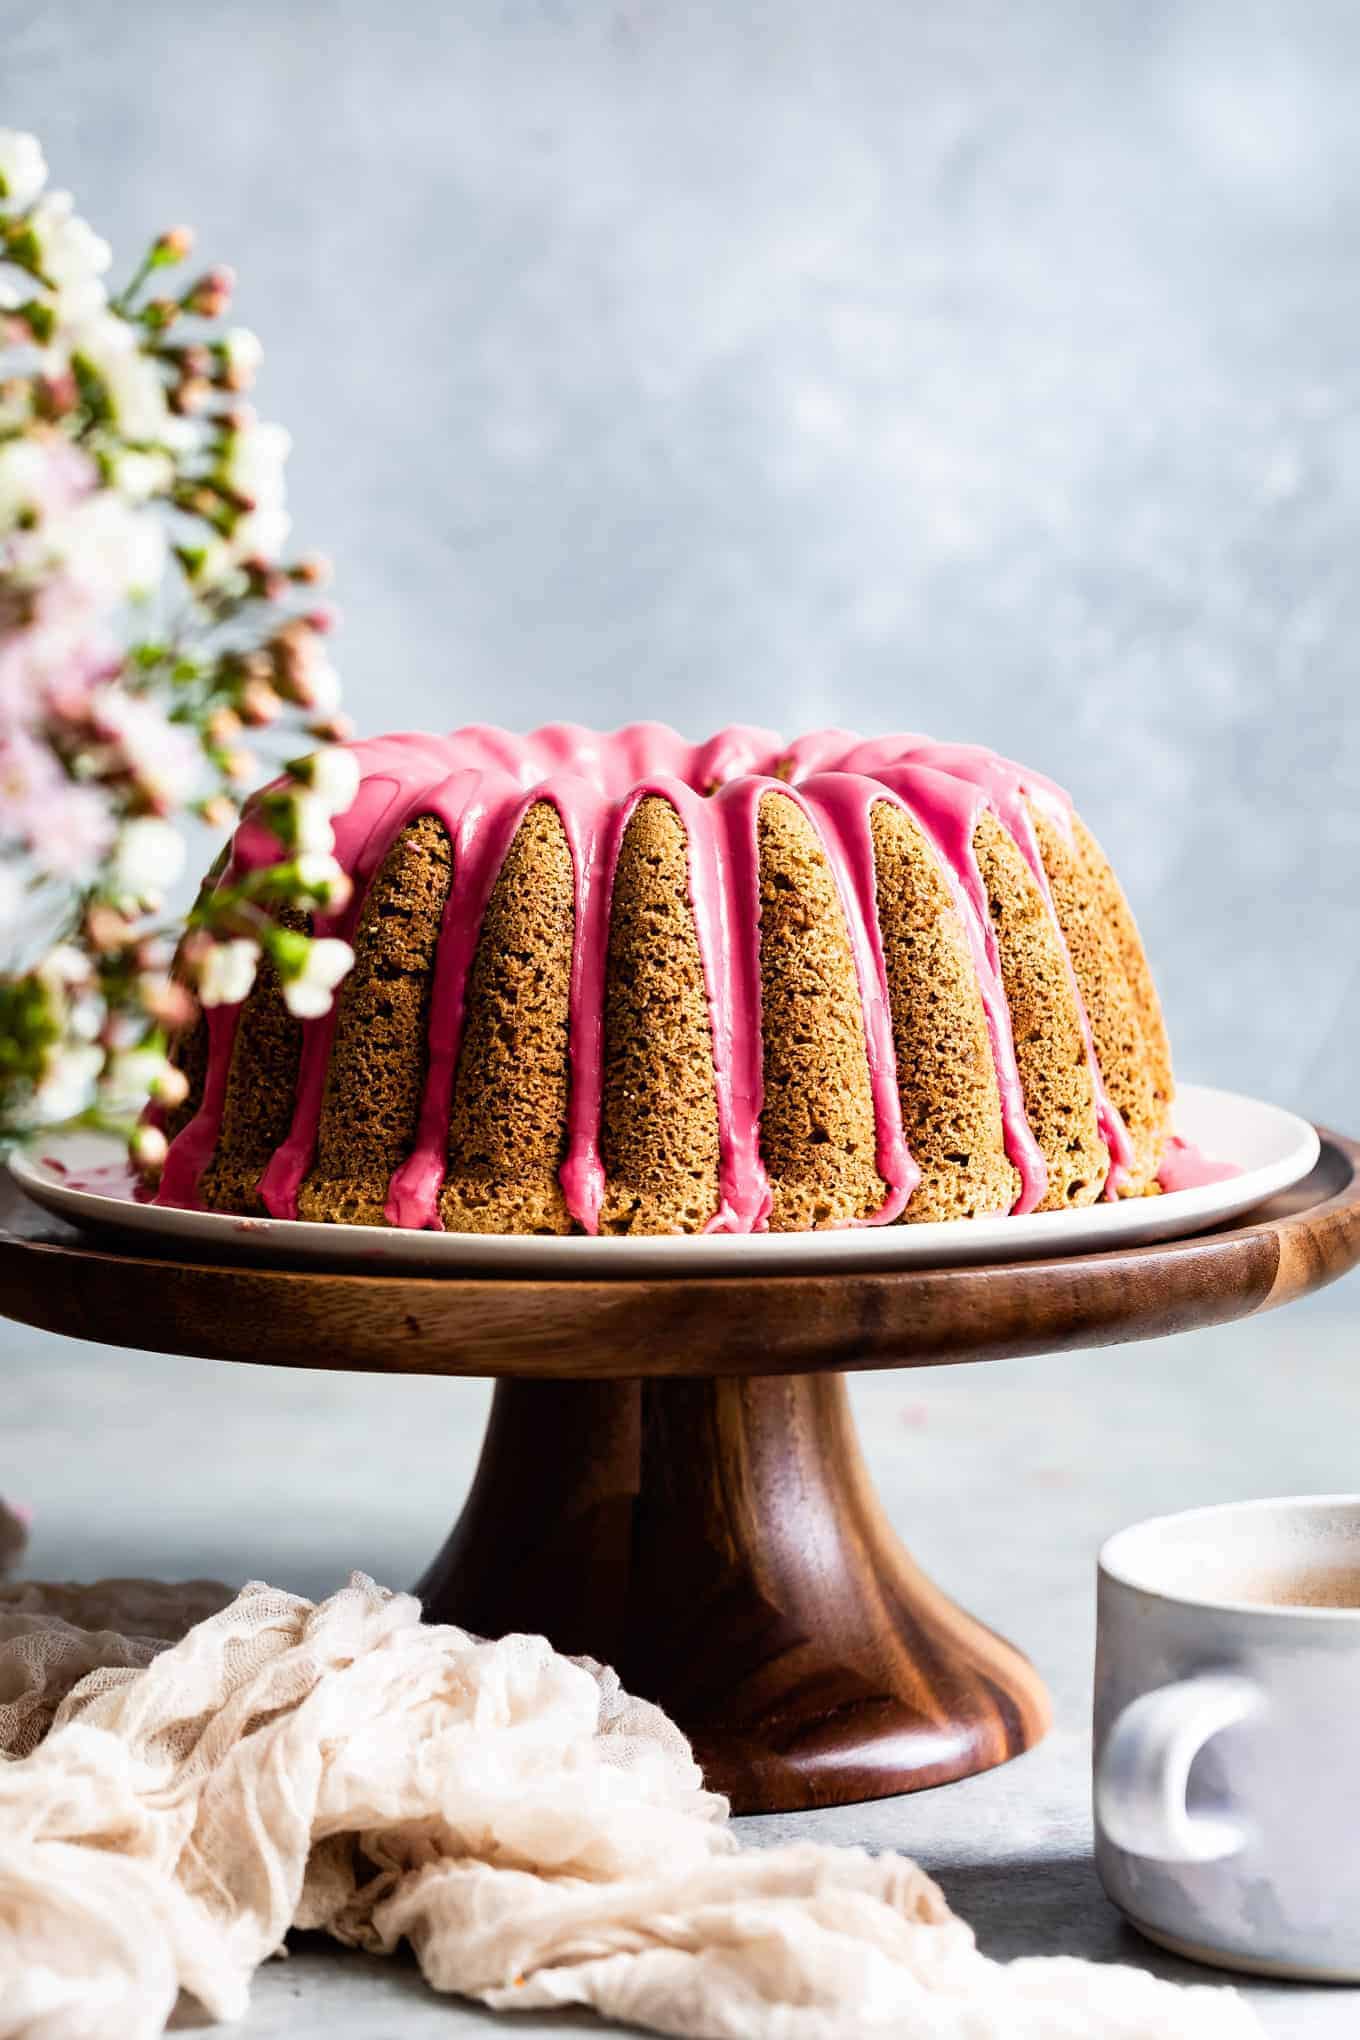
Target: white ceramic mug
1227 1733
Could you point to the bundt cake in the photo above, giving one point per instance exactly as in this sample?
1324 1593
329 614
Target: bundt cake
626 984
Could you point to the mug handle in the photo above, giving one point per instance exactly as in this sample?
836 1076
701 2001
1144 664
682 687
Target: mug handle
1144 1769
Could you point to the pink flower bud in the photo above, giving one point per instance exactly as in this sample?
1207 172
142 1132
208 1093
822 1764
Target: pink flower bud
313 570
190 395
211 295
195 950
260 705
56 396
106 930
174 1006
323 620
175 243
217 811
333 729
266 580
149 954
223 727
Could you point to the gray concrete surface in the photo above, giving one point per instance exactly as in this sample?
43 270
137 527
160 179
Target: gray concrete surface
1003 1480
970 366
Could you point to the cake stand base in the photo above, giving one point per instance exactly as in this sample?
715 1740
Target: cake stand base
671 1480
720 1544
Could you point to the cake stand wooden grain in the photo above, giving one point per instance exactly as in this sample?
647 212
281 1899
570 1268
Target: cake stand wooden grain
671 1480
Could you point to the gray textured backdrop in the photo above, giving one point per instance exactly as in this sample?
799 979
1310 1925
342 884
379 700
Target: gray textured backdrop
986 368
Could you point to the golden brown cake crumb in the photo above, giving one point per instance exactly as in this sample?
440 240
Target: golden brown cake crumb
951 1104
1111 1009
659 1123
1137 970
261 1091
379 1057
817 1126
508 1127
188 1053
1049 1050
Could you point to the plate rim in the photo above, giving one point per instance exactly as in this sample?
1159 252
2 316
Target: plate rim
996 1241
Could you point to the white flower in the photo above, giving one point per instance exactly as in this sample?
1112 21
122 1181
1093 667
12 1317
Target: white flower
67 1083
308 995
65 967
253 460
243 354
332 776
182 435
171 1086
110 349
23 172
128 1079
40 478
85 1016
319 687
23 479
16 402
251 465
110 547
163 757
316 868
228 972
312 832
11 896
260 534
149 857
216 564
71 255
139 476
148 1148
324 877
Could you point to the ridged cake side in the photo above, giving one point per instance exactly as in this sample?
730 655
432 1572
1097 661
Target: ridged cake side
946 1076
1116 1027
631 985
261 1092
507 1128
376 1070
817 1122
1118 917
659 1121
1059 1095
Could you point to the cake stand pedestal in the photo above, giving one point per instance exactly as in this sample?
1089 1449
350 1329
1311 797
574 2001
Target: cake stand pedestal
671 1479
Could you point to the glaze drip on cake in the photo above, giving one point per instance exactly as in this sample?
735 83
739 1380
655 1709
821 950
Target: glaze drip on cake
959 990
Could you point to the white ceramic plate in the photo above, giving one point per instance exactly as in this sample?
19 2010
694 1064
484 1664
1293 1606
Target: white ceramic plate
84 1178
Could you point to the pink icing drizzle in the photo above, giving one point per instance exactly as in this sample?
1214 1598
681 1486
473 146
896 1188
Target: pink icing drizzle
1010 790
480 782
1186 1167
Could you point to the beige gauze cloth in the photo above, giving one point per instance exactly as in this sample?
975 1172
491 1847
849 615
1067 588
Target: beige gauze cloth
169 1809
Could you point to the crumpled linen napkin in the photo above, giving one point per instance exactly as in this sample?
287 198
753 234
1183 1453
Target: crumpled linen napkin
169 1809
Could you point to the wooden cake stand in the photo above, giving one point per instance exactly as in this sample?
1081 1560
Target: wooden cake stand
671 1480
